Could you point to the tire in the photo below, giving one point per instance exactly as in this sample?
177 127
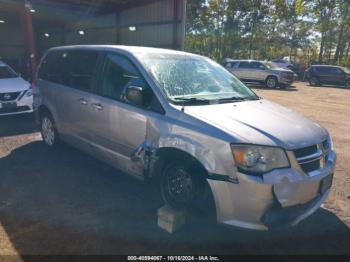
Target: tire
314 81
184 187
271 82
347 85
49 133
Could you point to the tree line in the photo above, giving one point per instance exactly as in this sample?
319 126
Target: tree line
304 30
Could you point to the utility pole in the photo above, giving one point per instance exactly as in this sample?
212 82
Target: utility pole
26 11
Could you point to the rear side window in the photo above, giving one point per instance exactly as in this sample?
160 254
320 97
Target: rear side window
322 69
48 66
231 64
74 69
244 64
336 71
118 74
256 65
79 67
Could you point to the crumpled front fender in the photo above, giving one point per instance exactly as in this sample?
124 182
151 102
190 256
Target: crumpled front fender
204 155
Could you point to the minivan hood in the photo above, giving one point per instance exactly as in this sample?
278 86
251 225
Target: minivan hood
16 84
260 122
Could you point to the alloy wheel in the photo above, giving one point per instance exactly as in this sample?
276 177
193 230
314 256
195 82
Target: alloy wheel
271 82
48 131
177 186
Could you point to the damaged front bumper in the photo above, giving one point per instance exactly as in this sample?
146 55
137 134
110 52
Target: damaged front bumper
282 197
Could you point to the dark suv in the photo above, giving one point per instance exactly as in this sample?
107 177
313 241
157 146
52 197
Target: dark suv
328 74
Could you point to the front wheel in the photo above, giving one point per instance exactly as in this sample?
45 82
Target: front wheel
184 186
48 131
177 185
272 82
314 81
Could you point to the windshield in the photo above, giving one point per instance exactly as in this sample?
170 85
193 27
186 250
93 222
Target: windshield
192 79
7 72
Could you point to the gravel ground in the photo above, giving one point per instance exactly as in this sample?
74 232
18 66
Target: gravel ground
65 202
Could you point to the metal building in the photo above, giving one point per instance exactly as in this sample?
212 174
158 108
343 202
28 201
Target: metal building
28 28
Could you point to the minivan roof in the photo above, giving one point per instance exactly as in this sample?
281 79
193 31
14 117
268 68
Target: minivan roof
130 49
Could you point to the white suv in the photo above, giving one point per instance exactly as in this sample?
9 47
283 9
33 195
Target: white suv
15 93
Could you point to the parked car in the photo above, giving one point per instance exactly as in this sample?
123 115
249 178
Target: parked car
15 93
183 120
284 63
328 74
260 71
288 64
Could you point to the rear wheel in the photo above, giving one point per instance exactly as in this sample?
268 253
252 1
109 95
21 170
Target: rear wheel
271 82
314 81
48 130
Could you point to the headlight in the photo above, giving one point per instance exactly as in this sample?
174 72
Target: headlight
256 160
29 92
328 144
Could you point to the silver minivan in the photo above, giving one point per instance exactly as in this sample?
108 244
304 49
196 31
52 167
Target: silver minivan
186 122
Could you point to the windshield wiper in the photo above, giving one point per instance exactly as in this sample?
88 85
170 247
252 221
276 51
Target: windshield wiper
192 100
232 98
238 98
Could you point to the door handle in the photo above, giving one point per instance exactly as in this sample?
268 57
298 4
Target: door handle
98 107
82 101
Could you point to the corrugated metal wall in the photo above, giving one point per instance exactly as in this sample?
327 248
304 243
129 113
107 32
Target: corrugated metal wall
97 30
143 23
153 25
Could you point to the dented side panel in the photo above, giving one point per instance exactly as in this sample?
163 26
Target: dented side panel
165 134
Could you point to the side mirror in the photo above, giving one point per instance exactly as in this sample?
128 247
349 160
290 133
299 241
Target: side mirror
135 95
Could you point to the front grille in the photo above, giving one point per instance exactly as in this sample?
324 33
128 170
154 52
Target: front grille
289 76
8 110
305 151
9 96
310 166
310 158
